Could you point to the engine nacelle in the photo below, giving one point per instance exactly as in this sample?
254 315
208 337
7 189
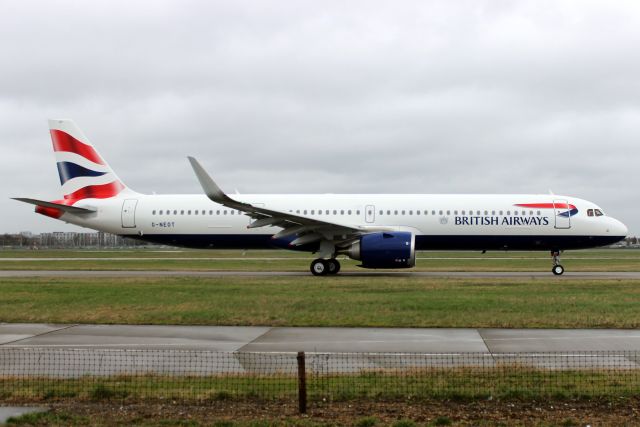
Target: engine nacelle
394 249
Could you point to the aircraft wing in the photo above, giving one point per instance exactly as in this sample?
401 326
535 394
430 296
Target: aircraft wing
307 229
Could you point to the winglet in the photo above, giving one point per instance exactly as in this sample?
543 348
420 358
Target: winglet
211 189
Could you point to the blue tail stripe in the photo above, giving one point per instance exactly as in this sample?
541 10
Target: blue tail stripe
68 170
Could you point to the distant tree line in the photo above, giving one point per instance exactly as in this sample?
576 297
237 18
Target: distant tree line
63 240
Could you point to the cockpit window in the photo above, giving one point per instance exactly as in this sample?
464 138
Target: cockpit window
589 212
598 212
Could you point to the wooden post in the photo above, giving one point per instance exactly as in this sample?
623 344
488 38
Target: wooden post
302 384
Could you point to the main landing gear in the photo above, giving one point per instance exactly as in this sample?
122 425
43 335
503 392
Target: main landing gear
557 269
322 267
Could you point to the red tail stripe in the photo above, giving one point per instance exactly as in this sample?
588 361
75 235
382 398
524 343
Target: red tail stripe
546 205
62 141
103 191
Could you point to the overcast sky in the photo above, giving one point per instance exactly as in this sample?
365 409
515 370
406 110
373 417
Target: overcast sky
324 96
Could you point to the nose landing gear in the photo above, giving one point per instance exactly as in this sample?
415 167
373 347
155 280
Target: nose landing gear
557 269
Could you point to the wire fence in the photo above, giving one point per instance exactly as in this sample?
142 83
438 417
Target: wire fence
33 374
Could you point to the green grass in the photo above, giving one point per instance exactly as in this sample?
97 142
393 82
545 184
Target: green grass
377 301
271 260
504 382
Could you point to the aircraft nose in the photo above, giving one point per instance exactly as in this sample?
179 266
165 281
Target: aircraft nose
617 228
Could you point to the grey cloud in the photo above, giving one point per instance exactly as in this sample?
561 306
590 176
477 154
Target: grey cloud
410 96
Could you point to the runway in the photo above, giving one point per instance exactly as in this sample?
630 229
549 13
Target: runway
365 273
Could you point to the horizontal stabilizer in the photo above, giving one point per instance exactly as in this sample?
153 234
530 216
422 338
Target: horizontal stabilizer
65 208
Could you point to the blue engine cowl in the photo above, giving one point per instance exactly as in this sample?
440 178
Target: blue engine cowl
394 249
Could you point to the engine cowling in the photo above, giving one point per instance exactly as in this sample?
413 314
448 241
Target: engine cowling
384 250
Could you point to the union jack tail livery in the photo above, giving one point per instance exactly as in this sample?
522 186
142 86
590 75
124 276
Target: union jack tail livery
83 172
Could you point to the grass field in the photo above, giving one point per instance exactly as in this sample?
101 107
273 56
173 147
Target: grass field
321 301
272 260
326 301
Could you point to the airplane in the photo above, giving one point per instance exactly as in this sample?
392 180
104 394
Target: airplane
382 231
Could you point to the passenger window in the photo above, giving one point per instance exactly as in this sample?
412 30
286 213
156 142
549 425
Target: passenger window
515 212
530 212
297 211
448 212
410 212
426 212
304 212
335 212
153 212
508 212
380 213
402 212
326 212
417 212
439 212
538 212
195 212
500 213
388 212
175 212
182 212
224 212
433 212
232 212
341 211
463 213
455 212
160 213
349 211
478 213
357 212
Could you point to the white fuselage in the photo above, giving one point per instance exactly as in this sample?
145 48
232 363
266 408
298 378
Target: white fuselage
438 221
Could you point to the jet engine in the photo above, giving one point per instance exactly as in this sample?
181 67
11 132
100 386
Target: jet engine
384 250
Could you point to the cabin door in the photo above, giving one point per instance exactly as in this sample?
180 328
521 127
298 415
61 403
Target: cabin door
129 213
562 213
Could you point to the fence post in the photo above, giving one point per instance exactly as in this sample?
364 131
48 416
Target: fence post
302 383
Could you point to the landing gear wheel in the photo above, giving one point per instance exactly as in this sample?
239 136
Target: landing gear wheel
319 267
333 266
557 270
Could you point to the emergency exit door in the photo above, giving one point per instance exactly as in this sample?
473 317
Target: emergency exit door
129 213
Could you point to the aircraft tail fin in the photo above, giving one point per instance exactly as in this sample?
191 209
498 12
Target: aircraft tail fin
83 172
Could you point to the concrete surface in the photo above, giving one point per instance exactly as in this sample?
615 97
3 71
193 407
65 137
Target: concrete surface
334 340
7 412
75 350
